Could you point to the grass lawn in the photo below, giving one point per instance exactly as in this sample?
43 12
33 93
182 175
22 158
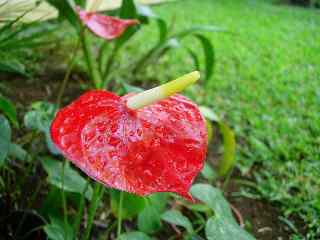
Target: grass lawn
266 85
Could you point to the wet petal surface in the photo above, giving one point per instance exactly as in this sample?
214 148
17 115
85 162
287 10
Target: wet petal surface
159 148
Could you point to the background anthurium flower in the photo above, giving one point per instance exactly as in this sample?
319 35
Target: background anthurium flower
159 148
105 26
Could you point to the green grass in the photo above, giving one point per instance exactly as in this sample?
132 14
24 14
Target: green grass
266 85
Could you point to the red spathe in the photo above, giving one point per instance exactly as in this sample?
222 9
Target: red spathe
159 148
105 26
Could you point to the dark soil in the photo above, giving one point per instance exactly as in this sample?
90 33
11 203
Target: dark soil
260 217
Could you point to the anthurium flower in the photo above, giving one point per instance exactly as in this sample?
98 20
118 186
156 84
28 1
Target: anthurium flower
104 26
157 148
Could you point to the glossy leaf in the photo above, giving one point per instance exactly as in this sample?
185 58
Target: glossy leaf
209 54
229 150
159 148
132 204
5 137
72 180
134 236
218 228
222 225
58 230
149 220
16 151
175 217
208 172
9 110
40 118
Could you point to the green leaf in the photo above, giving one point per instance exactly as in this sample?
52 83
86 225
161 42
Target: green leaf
40 118
229 150
214 198
12 66
72 181
218 228
58 230
175 217
149 220
18 152
130 88
5 138
66 12
9 110
209 114
197 29
209 130
132 204
222 225
128 10
134 236
209 54
146 12
208 172
195 58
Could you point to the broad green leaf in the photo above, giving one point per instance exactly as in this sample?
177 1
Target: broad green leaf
175 217
209 114
198 207
229 149
149 220
222 225
132 204
66 12
40 118
58 230
208 172
9 110
218 228
134 236
18 152
81 3
72 180
5 138
214 198
209 54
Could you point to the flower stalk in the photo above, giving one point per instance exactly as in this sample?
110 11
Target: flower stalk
161 92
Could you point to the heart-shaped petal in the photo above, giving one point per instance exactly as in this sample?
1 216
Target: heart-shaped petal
104 26
159 148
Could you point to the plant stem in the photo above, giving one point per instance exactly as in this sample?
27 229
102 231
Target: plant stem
64 202
97 194
109 65
90 60
77 222
68 72
120 214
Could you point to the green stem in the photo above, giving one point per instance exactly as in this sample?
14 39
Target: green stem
120 214
97 195
90 60
64 201
68 72
109 65
81 207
